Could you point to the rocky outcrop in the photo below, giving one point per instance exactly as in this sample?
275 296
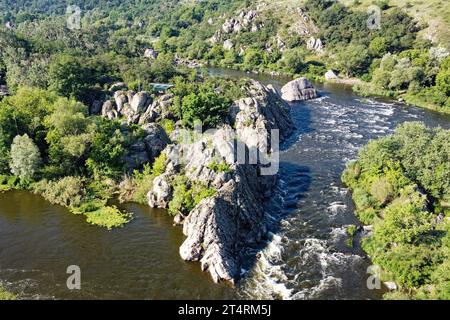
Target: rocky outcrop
314 44
298 90
159 109
243 21
136 107
148 148
220 226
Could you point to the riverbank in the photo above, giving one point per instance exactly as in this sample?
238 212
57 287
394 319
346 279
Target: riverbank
403 205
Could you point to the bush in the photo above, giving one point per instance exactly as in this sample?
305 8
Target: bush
220 167
159 166
187 194
407 175
108 217
382 190
68 191
5 295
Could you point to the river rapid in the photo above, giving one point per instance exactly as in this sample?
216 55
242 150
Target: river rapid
307 256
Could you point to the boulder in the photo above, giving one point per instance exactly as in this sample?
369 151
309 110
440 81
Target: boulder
150 53
109 111
390 285
95 109
298 90
159 109
330 75
140 102
4 91
118 86
314 44
228 45
155 140
161 193
120 97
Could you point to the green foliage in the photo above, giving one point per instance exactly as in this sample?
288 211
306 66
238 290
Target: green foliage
187 194
108 217
159 166
25 158
68 191
220 167
5 295
398 184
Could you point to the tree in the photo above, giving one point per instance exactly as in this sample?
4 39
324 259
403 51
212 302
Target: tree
293 61
69 76
206 106
252 57
443 82
25 158
353 60
378 46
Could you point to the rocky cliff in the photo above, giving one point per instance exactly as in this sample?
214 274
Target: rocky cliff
221 226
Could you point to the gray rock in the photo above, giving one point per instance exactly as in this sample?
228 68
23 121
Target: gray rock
161 192
118 86
96 107
4 91
109 111
330 75
314 44
390 285
298 90
159 109
120 97
140 102
155 140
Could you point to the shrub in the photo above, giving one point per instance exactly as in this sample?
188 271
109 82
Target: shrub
362 199
159 166
382 190
5 295
68 191
186 195
219 167
108 217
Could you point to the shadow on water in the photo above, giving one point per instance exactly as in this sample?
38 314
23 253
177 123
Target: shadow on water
293 182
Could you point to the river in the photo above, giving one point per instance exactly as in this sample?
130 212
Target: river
307 258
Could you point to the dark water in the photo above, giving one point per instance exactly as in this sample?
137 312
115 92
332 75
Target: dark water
306 259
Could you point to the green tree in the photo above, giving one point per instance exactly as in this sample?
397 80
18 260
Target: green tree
25 158
69 76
